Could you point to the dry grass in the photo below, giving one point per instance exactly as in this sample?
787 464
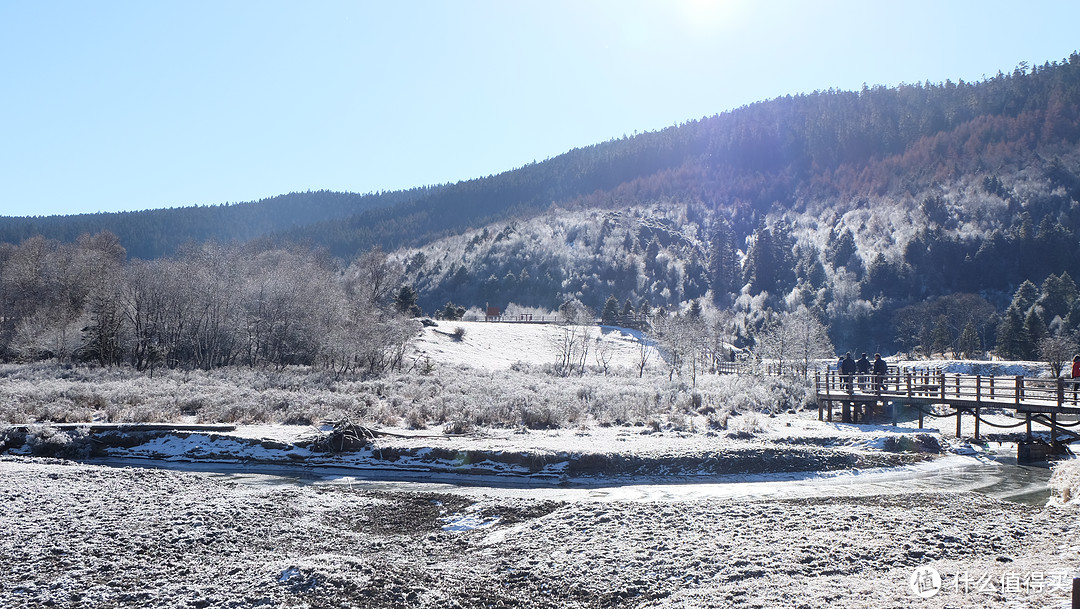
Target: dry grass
522 397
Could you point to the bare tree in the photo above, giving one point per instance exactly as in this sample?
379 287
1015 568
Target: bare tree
572 344
678 337
793 339
373 277
645 351
603 352
1058 349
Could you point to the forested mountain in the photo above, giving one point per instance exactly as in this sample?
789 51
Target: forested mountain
160 232
925 216
904 216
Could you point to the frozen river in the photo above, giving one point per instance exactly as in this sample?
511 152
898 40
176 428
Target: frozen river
994 473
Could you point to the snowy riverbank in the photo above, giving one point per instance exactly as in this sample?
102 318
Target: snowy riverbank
755 444
89 536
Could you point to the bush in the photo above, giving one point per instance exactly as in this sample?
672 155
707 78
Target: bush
1065 484
48 441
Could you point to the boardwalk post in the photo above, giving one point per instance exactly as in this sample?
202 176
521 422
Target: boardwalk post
1028 417
958 413
978 392
828 384
1060 392
1019 391
1053 430
817 383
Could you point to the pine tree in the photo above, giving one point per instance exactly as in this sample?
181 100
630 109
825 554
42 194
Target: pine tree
405 301
723 265
941 340
1034 331
610 314
969 345
1011 336
1025 296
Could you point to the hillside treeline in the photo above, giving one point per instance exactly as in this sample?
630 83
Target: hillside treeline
159 233
209 306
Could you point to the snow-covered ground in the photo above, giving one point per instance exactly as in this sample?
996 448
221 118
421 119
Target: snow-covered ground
499 345
80 535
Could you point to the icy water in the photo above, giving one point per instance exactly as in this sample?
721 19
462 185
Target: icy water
995 473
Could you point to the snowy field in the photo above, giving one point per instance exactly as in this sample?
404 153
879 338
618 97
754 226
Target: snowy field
497 346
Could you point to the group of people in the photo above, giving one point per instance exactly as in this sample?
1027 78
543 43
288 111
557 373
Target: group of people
863 368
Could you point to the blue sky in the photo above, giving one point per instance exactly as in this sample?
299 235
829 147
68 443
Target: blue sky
114 106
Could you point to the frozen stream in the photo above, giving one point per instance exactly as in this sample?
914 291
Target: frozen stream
995 474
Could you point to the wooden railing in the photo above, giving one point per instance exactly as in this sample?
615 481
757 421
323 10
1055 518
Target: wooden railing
961 389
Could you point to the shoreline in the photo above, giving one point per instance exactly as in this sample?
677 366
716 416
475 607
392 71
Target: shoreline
797 448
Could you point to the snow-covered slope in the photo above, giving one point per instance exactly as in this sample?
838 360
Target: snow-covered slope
497 346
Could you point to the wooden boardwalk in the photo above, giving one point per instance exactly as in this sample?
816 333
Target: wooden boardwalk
1039 400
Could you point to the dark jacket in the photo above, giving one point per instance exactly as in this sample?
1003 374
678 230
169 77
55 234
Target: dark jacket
863 365
847 366
880 367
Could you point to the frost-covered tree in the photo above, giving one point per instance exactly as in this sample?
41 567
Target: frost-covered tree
793 340
1056 350
572 344
374 276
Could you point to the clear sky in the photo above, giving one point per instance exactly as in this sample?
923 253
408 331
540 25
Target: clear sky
112 106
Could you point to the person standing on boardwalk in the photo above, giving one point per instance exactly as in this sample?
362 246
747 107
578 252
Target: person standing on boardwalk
863 368
880 370
1075 375
847 369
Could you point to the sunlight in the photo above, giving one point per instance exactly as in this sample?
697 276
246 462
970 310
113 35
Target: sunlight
710 17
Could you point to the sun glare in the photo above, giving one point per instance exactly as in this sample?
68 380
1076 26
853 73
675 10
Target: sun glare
704 17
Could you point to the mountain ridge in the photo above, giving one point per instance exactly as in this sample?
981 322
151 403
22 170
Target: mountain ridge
856 204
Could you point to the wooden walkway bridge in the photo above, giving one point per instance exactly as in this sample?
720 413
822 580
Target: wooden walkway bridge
1048 402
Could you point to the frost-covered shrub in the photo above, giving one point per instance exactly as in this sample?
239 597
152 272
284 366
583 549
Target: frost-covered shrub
1065 484
542 416
416 419
749 424
48 441
717 420
521 396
